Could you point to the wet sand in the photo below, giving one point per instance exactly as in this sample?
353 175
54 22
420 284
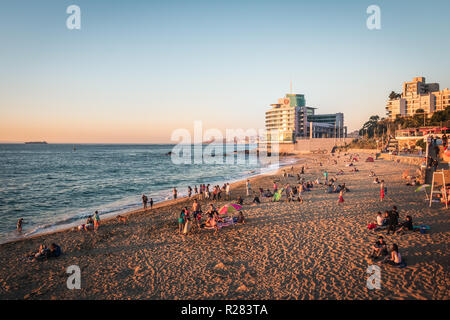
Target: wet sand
314 250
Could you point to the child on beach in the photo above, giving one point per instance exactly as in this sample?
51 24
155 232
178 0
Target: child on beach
181 221
96 220
341 196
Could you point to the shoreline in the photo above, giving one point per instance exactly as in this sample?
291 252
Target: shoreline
285 250
157 205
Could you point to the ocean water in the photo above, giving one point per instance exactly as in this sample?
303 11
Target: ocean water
54 186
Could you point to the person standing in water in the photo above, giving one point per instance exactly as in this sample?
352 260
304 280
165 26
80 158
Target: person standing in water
144 201
189 191
151 203
174 193
19 225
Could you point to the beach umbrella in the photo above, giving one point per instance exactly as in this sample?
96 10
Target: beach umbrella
422 187
230 208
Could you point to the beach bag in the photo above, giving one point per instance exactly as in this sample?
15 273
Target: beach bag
371 226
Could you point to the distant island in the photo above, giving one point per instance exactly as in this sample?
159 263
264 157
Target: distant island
36 142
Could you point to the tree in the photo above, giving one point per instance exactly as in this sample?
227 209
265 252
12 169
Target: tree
394 95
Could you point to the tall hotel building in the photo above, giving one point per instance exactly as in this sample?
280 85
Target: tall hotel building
291 119
418 95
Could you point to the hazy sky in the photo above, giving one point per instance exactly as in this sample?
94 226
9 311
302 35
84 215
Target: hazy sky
137 70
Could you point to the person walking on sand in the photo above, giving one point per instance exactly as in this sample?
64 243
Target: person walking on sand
174 193
248 187
19 225
96 220
325 174
144 201
382 190
151 203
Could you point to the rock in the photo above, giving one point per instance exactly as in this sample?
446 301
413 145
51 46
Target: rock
220 266
242 288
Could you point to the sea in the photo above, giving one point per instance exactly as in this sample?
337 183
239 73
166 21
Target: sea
56 186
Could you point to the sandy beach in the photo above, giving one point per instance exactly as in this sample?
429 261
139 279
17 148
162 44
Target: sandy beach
286 250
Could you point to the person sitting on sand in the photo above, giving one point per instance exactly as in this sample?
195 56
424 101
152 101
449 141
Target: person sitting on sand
329 189
211 222
256 200
55 251
372 174
379 248
268 194
376 181
393 221
395 259
240 201
241 218
406 226
89 223
42 254
380 219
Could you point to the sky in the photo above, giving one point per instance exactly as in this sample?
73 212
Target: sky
138 70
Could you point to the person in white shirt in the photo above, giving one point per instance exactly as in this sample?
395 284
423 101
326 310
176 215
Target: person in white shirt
227 191
248 187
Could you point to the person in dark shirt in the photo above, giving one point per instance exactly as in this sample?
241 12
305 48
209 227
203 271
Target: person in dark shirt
406 226
393 221
379 248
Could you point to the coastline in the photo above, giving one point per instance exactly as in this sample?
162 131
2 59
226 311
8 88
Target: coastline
157 205
286 250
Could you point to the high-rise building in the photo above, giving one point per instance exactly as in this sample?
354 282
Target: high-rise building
418 95
290 119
